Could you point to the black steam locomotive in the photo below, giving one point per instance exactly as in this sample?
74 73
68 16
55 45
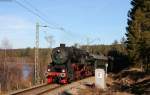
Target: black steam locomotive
69 64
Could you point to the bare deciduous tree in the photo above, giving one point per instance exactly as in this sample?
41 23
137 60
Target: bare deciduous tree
50 40
6 44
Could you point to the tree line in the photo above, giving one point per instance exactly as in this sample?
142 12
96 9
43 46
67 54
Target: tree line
12 63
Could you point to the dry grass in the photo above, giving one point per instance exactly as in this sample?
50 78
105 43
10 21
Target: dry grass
90 91
96 91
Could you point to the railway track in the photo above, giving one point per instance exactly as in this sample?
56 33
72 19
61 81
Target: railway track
62 88
51 89
37 90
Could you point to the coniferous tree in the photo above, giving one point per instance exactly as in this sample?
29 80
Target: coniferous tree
138 30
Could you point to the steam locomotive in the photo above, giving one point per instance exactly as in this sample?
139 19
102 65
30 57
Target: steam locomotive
69 64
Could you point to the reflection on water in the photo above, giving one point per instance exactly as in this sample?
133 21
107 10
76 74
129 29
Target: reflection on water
26 71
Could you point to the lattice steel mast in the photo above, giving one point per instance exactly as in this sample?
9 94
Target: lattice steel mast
37 54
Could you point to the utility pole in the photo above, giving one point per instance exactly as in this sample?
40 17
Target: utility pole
37 64
36 73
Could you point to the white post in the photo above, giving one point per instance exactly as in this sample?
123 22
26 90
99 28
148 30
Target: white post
100 78
106 65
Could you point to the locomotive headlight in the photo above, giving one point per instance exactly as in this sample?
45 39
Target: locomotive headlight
62 75
63 70
48 70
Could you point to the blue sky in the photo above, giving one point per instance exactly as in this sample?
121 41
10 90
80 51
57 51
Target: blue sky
104 20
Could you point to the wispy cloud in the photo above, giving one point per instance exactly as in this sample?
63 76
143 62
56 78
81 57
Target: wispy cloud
10 23
18 30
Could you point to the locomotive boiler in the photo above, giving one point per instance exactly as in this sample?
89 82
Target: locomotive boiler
69 64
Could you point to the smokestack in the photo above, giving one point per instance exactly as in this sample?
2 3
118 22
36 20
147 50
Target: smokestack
62 45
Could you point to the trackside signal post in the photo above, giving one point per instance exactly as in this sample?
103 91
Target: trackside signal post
101 72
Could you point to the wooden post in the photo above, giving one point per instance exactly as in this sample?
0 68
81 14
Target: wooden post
0 89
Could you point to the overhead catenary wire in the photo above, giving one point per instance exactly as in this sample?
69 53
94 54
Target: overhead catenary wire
37 13
37 10
48 38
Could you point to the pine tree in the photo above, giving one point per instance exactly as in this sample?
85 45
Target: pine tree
138 29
